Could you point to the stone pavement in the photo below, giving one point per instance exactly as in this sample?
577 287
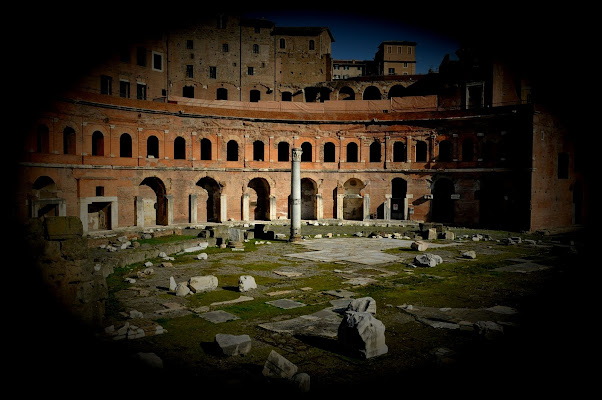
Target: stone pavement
356 250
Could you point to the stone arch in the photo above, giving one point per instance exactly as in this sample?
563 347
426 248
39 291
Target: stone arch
43 139
372 93
179 148
353 202
98 144
232 150
259 199
152 147
442 205
213 196
307 155
396 91
45 200
69 141
284 151
154 209
206 148
346 93
445 151
258 150
330 149
125 145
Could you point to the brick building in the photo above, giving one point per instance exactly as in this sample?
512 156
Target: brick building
197 124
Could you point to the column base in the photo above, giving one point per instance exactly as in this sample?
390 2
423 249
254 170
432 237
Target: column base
295 238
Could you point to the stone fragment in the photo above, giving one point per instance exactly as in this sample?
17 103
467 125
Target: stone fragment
218 316
202 256
246 282
136 314
362 334
469 254
232 345
364 304
278 367
449 235
430 234
172 284
182 289
202 283
427 260
148 264
301 382
166 265
419 245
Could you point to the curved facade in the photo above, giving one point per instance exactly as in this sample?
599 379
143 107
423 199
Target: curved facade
133 163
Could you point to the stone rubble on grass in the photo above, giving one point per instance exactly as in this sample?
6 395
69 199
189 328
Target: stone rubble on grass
233 345
419 245
182 289
202 283
172 284
362 334
136 314
246 282
280 369
202 256
469 254
427 260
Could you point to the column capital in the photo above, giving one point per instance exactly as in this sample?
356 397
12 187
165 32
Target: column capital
297 154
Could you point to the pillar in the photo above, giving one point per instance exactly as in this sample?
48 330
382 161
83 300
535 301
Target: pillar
245 206
296 195
170 203
319 207
223 208
139 211
193 208
366 207
387 210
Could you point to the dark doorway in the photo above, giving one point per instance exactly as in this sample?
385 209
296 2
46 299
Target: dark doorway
259 201
308 199
442 206
399 188
213 190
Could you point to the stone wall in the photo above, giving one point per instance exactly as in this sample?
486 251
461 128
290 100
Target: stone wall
59 254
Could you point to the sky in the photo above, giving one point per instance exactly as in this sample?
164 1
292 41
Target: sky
357 36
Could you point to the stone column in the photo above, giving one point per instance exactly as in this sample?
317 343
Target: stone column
387 211
366 212
319 207
245 206
223 208
193 208
170 201
139 211
296 195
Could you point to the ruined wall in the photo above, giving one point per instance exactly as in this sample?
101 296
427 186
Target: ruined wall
58 253
558 191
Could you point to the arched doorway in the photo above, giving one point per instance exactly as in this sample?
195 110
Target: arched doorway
308 199
399 188
211 197
372 93
259 200
353 202
442 206
346 93
396 91
45 201
153 198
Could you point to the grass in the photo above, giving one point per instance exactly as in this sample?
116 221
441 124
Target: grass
458 282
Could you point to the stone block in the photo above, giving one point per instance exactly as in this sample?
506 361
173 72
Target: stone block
278 367
362 335
232 345
364 304
419 245
246 282
202 283
62 228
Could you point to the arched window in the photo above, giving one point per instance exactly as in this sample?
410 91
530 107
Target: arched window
445 151
375 152
312 44
179 148
222 94
421 151
306 156
125 145
43 139
152 147
283 151
205 149
372 93
68 141
98 144
399 152
329 152
282 44
232 151
352 152
258 150
467 150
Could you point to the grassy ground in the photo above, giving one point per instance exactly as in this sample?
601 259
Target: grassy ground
188 352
